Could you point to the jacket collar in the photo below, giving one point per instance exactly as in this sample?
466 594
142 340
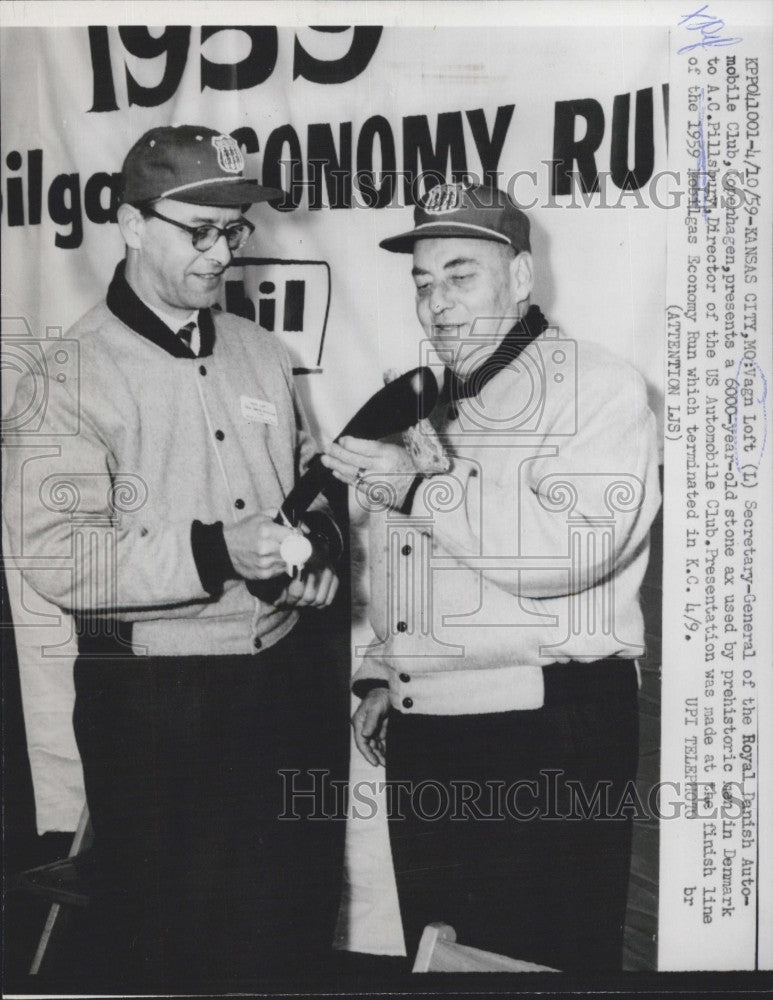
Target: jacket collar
126 305
527 329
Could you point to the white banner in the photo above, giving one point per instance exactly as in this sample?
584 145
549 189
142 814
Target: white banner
338 121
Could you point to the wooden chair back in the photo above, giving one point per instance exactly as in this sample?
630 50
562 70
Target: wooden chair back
439 952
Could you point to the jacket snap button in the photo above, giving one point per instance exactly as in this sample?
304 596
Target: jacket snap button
402 626
239 504
405 678
407 702
406 550
202 370
257 643
219 435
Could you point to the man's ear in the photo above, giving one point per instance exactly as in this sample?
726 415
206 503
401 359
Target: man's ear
132 225
522 275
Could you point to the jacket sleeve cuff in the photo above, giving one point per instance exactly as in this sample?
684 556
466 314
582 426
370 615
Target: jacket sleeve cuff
361 687
324 529
210 554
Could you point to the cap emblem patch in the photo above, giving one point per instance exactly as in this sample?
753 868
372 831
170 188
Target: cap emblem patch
444 198
229 155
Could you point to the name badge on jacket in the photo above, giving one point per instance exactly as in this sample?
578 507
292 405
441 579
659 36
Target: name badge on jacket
258 411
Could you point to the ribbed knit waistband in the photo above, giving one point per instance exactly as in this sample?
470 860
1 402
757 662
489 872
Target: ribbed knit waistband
507 689
229 636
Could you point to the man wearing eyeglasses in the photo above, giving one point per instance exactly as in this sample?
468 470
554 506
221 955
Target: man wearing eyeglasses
179 443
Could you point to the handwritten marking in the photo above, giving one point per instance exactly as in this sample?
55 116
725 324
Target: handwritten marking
709 27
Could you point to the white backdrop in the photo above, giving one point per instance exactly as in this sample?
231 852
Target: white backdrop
343 307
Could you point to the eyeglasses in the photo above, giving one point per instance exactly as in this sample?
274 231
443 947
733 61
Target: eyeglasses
206 236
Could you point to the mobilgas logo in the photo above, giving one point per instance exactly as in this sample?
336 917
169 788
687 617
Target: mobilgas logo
289 298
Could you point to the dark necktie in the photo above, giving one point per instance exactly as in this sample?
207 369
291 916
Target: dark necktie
185 333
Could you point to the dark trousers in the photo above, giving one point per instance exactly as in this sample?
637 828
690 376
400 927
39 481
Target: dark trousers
497 829
206 869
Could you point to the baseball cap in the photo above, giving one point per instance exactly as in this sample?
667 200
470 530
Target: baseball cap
193 164
464 210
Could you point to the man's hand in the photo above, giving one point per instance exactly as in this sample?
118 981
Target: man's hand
316 583
253 545
352 459
370 725
315 586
